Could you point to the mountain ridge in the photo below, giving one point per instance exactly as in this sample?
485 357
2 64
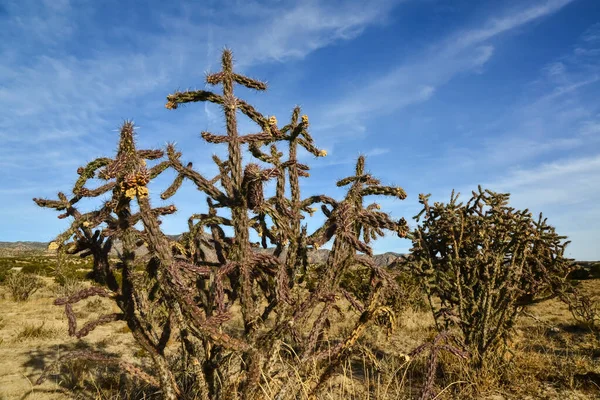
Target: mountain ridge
16 248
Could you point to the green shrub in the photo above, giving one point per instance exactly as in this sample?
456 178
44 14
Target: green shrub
34 268
409 295
406 294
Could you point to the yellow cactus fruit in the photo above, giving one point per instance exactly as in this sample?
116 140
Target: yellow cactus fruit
142 191
52 246
86 224
322 153
305 119
272 120
130 193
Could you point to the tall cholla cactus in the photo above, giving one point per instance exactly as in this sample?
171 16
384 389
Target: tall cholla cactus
190 290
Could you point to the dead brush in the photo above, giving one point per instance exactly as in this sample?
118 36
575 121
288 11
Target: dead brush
236 318
22 286
584 308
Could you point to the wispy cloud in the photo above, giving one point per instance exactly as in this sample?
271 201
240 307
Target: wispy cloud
555 116
566 191
545 150
278 31
68 80
416 80
503 23
72 71
294 32
563 182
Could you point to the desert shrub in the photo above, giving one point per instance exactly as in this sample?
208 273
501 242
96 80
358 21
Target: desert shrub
584 308
33 331
410 294
481 262
5 265
595 270
22 286
67 285
579 273
406 293
357 281
36 268
239 319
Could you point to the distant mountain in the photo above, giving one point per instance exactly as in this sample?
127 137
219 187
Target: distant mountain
12 249
16 248
24 245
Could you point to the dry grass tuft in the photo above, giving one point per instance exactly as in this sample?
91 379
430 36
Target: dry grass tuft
33 331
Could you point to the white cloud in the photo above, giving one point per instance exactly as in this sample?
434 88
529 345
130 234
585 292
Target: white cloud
278 31
416 80
53 99
308 26
567 192
497 25
572 180
555 116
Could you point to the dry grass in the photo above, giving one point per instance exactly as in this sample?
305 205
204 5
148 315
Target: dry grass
552 357
32 331
33 335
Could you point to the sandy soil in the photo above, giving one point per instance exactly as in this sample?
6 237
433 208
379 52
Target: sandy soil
558 360
22 359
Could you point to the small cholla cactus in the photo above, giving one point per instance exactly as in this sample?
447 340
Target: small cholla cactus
484 261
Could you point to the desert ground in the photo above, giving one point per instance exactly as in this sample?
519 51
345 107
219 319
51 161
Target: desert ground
551 357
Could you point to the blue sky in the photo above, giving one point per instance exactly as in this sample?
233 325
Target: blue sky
438 94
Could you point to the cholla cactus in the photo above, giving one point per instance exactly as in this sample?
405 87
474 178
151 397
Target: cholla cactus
485 260
197 283
127 176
